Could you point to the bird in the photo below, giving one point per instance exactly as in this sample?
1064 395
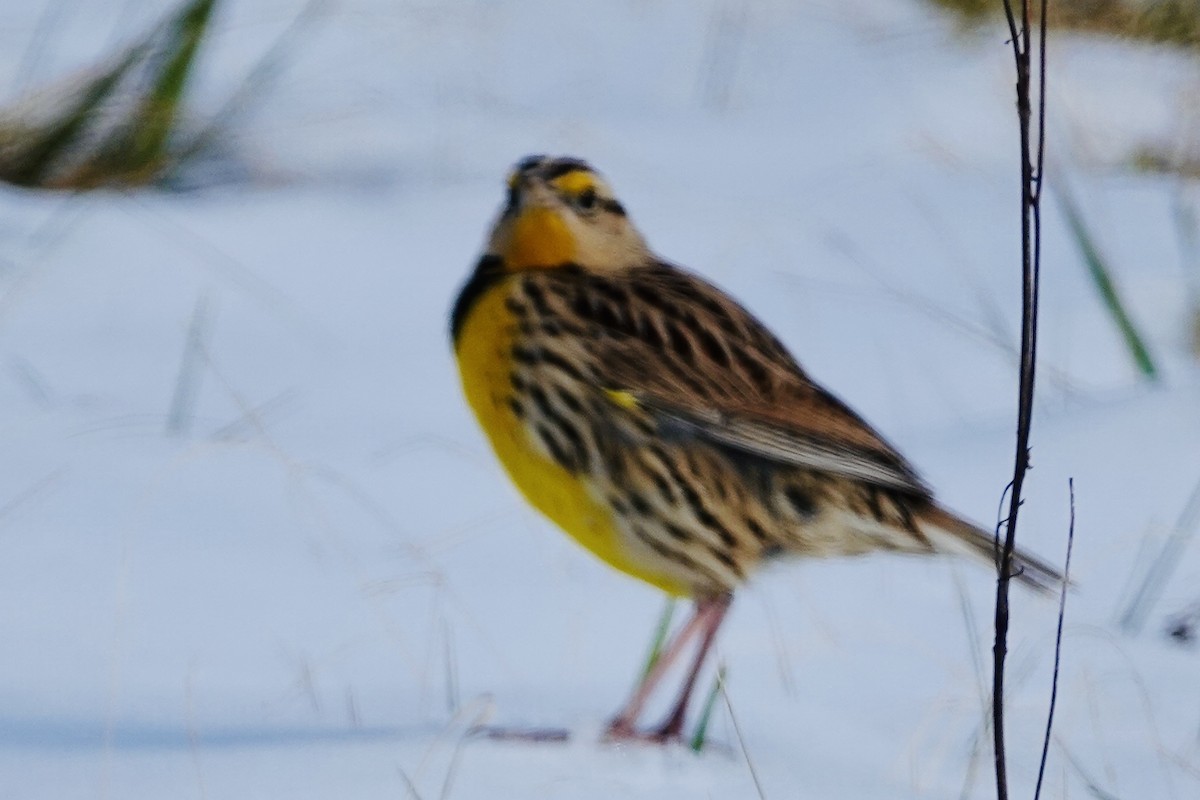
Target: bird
656 421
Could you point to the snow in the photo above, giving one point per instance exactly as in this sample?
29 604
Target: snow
318 587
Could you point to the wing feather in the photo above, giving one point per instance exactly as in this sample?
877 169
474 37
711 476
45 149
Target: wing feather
766 439
672 347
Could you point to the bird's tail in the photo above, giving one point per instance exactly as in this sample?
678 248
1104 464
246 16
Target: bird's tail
949 533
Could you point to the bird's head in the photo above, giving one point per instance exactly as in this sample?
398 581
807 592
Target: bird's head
560 211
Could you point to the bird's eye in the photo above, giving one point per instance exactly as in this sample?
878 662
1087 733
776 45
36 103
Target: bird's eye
586 200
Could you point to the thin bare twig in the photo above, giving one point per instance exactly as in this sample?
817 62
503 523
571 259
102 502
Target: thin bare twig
737 730
1062 608
408 783
1091 784
1031 184
1159 573
191 369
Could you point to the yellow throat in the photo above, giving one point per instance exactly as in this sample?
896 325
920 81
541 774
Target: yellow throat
539 238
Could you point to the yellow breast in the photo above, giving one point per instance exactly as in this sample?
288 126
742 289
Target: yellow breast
484 351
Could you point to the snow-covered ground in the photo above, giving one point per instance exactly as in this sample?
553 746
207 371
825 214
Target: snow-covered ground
315 587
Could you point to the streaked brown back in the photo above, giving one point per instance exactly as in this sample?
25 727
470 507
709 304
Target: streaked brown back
688 353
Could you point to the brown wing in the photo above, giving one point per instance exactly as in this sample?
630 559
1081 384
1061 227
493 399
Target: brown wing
683 352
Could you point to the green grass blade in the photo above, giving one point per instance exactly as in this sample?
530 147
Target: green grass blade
135 150
157 115
255 83
1101 277
701 733
162 105
31 165
660 636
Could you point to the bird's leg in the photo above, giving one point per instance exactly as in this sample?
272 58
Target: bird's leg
711 613
705 620
623 725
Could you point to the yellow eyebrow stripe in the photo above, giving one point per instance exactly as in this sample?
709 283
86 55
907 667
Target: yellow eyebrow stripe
575 182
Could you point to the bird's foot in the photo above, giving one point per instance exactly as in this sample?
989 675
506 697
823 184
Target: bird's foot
621 730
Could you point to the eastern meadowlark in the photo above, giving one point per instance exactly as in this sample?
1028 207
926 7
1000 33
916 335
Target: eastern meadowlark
661 425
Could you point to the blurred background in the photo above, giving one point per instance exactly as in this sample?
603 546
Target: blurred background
253 545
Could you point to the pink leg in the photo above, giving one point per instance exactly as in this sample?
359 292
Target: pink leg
713 612
622 726
705 620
